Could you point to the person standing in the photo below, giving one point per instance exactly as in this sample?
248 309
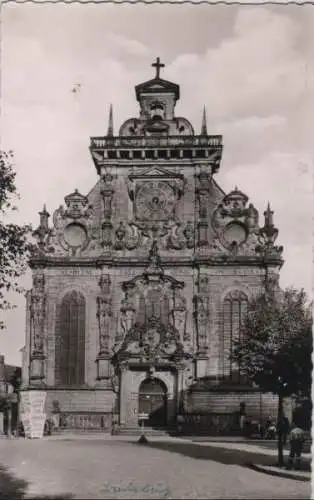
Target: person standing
285 429
296 439
242 418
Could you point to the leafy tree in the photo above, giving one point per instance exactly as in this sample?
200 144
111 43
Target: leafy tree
274 347
14 243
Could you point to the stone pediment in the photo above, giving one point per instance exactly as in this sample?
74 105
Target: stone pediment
155 172
157 85
159 177
153 273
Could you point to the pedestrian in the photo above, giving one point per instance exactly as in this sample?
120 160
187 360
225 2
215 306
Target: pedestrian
270 429
285 429
242 424
296 439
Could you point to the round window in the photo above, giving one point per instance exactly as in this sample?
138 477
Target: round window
75 235
235 234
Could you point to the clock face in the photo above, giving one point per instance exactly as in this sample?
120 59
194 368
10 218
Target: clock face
155 200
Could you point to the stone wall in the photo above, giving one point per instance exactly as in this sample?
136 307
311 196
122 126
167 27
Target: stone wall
222 280
86 280
80 401
258 406
59 281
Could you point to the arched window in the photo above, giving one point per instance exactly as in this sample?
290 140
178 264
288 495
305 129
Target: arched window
70 340
153 304
140 318
234 311
157 305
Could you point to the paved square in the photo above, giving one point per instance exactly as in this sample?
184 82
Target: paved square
112 468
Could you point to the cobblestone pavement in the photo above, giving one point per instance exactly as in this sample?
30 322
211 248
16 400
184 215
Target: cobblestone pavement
114 468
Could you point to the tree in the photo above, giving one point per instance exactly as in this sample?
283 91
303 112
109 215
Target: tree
14 241
274 347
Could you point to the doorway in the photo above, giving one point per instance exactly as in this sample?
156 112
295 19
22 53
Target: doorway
153 402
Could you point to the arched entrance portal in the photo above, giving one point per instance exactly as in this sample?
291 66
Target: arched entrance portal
153 401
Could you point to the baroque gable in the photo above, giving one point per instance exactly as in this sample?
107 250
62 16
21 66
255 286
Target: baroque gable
74 229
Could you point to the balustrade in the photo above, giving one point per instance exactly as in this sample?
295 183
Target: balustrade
148 142
96 421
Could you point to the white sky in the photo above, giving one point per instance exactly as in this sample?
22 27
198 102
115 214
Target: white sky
251 66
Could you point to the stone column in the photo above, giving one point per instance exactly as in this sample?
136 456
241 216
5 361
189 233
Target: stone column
37 324
202 191
1 423
132 414
201 314
123 394
180 387
104 315
107 192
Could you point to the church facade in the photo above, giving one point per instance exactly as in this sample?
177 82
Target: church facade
140 286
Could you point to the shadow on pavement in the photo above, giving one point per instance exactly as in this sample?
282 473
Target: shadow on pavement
13 488
225 456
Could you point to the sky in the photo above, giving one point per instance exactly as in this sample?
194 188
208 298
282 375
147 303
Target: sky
251 66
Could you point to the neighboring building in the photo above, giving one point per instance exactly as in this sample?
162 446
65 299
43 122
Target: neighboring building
140 286
10 377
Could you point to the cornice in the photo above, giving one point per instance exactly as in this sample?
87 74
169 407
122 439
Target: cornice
109 261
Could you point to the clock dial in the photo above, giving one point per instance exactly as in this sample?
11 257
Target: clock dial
154 201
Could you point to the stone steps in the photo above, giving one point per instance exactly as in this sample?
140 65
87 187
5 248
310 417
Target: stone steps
79 431
126 431
137 431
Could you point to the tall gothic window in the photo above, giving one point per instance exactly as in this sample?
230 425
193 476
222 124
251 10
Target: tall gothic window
234 311
70 340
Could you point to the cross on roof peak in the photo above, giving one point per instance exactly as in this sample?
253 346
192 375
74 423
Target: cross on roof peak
158 65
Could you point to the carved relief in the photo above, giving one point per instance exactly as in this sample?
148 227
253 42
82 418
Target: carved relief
203 180
203 283
38 313
77 207
181 236
171 235
201 316
235 225
107 192
106 234
72 231
126 236
176 239
189 234
153 315
104 314
154 200
179 323
202 188
127 314
155 193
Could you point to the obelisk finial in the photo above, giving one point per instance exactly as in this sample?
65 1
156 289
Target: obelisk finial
204 123
110 122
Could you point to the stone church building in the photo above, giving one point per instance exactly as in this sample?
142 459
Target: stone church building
140 286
